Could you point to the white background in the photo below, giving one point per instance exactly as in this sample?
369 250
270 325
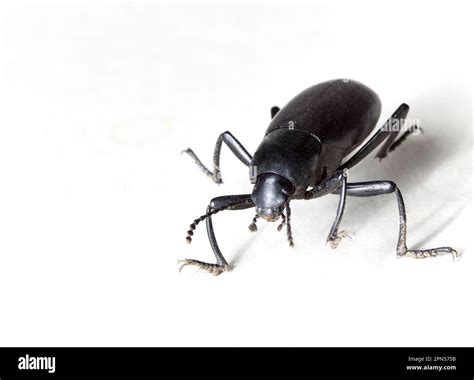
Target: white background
98 100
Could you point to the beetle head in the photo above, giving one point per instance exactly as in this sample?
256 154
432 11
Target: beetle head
270 194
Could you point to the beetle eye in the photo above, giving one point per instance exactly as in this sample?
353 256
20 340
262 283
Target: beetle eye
288 189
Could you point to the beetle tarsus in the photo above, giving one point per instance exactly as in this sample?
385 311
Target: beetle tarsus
425 253
234 145
215 176
336 239
214 269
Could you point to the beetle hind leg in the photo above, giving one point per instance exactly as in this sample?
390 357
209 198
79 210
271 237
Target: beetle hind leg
392 144
386 133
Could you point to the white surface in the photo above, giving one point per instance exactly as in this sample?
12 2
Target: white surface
97 101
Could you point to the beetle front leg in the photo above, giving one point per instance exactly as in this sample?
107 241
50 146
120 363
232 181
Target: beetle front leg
369 189
234 145
338 181
227 202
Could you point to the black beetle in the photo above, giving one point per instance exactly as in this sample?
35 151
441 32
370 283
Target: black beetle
301 157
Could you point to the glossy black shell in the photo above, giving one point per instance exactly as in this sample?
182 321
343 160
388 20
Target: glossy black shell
311 135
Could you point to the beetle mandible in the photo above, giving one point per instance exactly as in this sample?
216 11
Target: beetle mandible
303 155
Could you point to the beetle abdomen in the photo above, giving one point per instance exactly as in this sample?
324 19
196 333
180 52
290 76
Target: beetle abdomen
341 113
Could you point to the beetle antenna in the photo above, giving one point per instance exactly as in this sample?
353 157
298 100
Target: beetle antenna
208 214
253 225
283 222
289 234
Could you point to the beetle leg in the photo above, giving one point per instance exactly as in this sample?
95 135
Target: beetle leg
396 144
227 202
234 145
214 269
337 237
338 181
327 186
368 189
385 132
334 236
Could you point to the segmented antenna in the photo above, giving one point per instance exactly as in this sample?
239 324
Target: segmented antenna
253 225
289 234
283 222
208 214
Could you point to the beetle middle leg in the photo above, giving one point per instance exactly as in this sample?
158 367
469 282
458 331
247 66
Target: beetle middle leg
227 202
234 145
369 189
338 181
